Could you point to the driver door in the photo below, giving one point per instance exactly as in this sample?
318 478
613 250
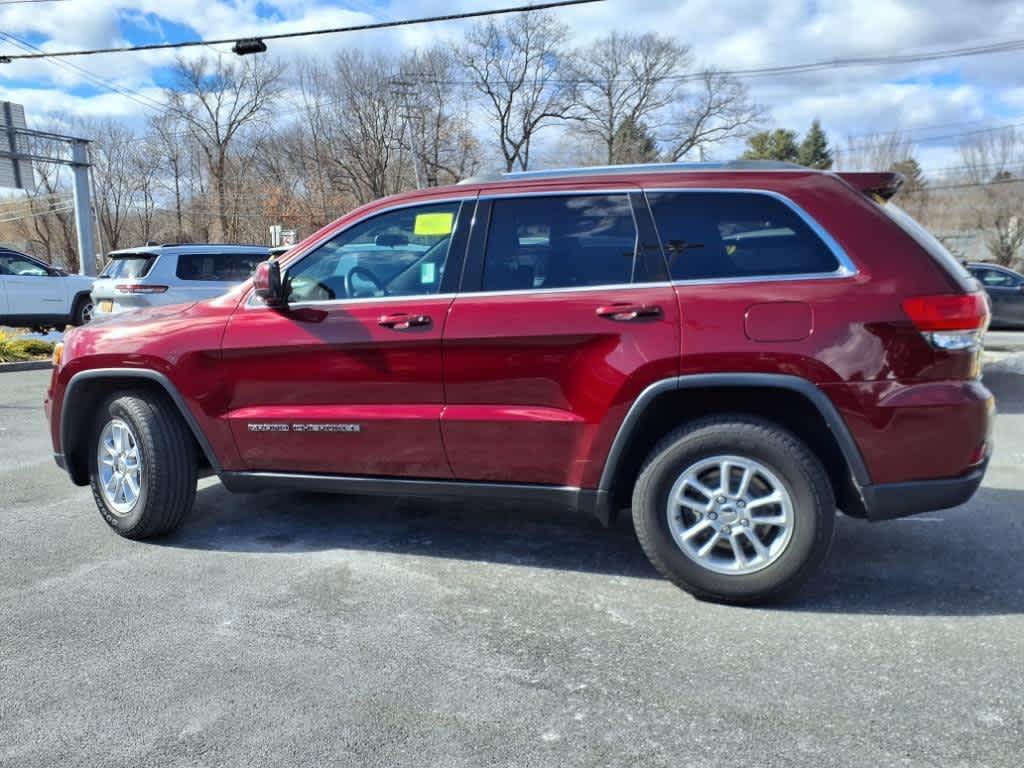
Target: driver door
32 290
347 379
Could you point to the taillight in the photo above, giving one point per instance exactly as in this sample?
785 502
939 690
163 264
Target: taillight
139 288
950 321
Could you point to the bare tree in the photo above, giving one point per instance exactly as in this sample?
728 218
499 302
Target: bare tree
874 152
989 155
356 117
46 221
516 66
218 99
719 110
1006 236
168 141
436 111
995 199
624 81
115 164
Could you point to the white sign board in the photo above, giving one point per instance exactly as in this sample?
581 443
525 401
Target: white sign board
15 174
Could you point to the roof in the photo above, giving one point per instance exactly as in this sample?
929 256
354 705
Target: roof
191 248
639 168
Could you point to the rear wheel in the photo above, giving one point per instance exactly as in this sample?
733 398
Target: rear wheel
734 509
142 465
83 310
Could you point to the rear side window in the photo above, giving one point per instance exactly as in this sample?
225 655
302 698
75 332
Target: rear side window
218 267
709 235
560 241
129 266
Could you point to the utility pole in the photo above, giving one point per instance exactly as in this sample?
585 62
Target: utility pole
83 207
404 90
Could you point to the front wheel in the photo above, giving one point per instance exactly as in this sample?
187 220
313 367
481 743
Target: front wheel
734 509
142 465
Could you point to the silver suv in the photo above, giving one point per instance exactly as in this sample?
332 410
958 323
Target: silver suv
171 274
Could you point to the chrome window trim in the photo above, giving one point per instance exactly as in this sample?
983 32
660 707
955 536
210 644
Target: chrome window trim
846 268
625 189
362 300
250 302
569 289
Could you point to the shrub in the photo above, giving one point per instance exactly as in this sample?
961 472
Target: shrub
13 349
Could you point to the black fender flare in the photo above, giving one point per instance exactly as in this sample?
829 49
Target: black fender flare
847 445
101 374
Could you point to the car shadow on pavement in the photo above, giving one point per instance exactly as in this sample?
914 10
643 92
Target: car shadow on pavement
958 562
530 535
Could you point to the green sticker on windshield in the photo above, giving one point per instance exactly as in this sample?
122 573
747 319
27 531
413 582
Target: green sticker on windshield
434 224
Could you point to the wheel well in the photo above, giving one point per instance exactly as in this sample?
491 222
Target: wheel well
80 414
787 408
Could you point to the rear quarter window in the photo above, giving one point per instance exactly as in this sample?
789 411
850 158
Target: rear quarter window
217 267
708 235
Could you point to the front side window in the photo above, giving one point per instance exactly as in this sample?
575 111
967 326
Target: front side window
218 267
709 235
560 241
12 264
994 278
397 253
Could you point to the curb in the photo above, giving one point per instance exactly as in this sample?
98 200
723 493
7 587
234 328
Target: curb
26 365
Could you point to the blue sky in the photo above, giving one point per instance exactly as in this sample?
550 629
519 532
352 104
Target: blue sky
925 100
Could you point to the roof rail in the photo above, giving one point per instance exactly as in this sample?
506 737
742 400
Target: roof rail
610 170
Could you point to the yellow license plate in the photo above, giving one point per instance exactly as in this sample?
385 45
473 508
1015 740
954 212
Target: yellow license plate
107 305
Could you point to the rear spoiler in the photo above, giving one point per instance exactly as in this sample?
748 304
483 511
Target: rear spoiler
878 184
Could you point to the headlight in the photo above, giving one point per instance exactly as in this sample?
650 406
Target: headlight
58 354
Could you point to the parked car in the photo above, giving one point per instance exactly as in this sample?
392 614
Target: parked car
39 296
731 351
172 274
1005 289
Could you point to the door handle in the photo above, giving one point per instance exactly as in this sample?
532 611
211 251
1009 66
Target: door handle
627 312
402 321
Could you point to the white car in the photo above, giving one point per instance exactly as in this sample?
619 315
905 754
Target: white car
35 295
172 274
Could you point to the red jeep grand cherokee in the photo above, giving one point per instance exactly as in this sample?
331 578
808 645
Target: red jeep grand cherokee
733 351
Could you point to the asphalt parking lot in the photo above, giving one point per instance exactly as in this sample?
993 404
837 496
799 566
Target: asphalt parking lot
287 629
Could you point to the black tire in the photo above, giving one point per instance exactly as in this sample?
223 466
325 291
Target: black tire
169 467
82 312
788 458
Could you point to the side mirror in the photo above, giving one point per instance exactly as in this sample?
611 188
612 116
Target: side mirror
267 283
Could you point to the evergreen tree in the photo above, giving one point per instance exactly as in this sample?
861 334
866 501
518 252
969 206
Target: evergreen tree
914 181
633 143
814 150
779 144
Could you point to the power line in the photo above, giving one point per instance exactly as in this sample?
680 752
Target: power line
92 77
22 2
310 32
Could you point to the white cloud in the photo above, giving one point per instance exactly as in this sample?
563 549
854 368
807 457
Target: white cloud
729 34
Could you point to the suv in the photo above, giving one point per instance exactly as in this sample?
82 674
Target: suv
34 294
170 274
731 351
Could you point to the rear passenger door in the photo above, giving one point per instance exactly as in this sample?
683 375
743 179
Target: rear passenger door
564 316
755 275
